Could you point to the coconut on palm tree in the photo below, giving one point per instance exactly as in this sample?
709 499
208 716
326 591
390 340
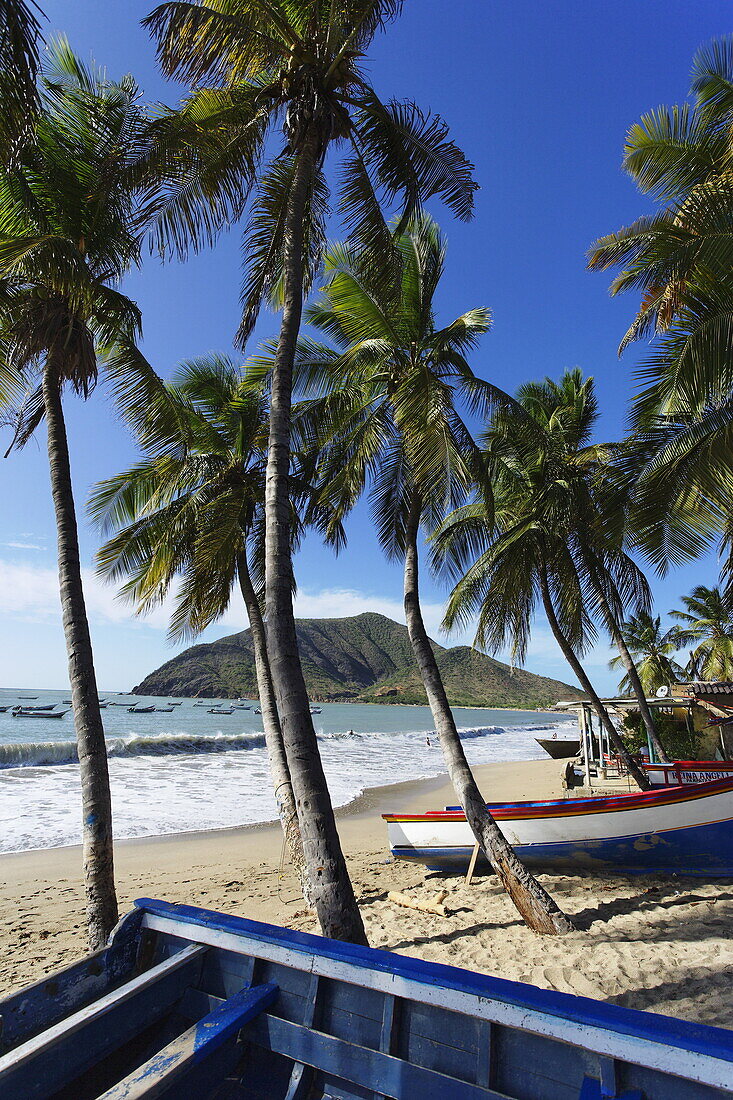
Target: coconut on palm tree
68 233
384 417
707 623
653 650
294 67
516 548
192 511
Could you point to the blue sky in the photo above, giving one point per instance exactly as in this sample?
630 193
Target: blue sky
540 97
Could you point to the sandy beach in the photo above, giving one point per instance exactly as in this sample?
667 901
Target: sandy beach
661 944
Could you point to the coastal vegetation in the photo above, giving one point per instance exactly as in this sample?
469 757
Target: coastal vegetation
510 498
653 650
193 510
550 529
707 625
296 68
68 234
384 410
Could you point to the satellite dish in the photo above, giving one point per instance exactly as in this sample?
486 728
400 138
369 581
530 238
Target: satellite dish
662 692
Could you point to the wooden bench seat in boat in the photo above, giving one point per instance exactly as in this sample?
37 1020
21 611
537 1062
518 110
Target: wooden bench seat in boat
60 1054
198 1059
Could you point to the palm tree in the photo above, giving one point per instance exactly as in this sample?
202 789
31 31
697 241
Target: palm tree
20 39
67 234
193 509
590 507
653 651
297 65
383 415
708 621
514 549
680 260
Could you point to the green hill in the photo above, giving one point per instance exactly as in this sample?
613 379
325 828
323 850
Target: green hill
364 658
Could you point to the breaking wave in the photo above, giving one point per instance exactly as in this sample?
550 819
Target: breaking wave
44 754
41 754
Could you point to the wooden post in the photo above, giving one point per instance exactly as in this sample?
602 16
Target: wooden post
472 863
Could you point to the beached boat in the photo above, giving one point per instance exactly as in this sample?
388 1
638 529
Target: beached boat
141 710
185 1002
680 772
679 830
19 713
559 748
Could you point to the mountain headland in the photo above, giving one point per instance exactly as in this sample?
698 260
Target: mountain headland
361 659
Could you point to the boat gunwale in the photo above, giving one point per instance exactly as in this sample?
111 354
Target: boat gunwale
606 1029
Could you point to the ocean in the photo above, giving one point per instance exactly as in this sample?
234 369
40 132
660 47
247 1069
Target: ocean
189 770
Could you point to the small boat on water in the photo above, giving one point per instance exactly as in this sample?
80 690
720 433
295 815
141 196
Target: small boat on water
141 710
186 1002
221 710
680 772
27 696
560 748
679 830
20 713
164 710
51 706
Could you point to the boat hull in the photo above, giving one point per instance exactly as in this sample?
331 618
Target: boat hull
684 772
186 1002
681 831
559 748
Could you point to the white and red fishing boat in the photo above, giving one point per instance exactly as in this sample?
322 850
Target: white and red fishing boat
681 772
685 830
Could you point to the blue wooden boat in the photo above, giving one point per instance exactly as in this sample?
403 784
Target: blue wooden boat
678 830
196 1005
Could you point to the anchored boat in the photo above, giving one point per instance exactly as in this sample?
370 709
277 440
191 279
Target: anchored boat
186 1002
681 830
18 712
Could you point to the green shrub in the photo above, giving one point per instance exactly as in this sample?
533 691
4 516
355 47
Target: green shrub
673 734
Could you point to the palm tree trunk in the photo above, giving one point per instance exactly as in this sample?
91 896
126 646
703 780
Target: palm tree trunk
534 904
332 891
631 671
273 734
603 715
99 882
